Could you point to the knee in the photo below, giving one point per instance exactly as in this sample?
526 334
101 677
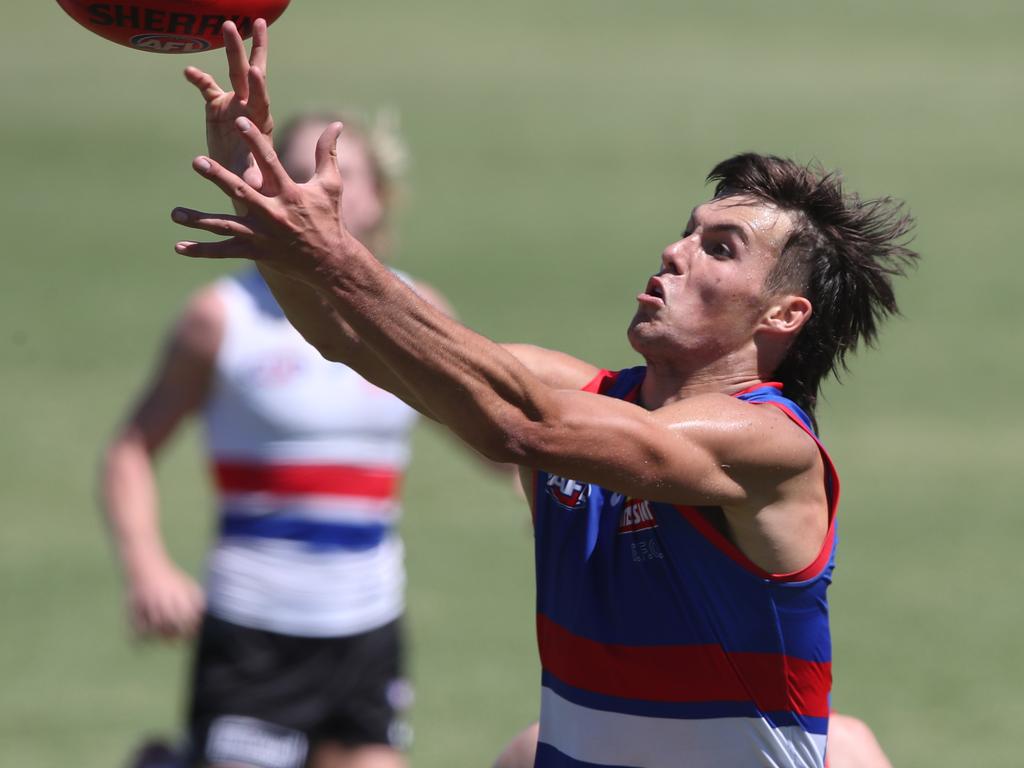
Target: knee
521 751
852 744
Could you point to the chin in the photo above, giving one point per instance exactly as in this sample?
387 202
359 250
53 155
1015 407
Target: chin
654 341
643 335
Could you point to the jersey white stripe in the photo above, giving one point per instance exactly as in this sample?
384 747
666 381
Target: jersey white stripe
327 509
612 738
385 452
281 586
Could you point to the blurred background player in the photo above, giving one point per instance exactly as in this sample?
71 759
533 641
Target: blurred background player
299 655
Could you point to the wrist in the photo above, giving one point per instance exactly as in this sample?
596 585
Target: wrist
141 563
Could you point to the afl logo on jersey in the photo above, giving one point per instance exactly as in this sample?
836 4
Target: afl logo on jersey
569 493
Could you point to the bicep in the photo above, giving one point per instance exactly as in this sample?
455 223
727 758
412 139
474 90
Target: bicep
668 455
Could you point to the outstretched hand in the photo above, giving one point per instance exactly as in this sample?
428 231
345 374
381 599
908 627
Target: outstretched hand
293 228
249 99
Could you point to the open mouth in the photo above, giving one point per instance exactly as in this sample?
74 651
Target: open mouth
654 293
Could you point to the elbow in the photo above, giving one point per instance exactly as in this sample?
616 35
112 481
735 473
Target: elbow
330 354
129 444
336 350
333 352
519 440
119 446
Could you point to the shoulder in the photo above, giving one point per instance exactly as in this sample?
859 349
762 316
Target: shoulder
757 436
199 328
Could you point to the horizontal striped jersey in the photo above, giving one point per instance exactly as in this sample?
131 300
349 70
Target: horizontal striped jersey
661 644
307 458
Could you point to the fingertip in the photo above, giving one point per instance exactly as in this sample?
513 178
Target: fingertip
243 124
202 164
182 247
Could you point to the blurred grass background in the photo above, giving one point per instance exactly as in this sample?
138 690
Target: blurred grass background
557 146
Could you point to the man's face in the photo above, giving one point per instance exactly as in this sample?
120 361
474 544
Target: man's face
709 295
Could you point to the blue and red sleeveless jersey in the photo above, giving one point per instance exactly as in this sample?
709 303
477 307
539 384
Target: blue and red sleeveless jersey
661 643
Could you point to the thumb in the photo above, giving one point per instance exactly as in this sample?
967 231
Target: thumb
327 156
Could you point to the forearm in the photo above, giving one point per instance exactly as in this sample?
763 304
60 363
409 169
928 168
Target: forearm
313 316
129 499
307 309
466 381
160 599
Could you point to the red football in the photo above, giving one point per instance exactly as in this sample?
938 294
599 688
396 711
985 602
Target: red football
170 26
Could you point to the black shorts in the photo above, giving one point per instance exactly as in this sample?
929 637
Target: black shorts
264 699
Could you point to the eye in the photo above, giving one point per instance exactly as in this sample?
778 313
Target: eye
719 250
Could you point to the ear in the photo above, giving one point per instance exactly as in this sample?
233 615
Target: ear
785 315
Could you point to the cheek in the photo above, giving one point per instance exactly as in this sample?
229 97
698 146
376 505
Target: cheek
360 203
735 297
716 293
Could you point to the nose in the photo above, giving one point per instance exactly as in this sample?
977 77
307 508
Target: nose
673 258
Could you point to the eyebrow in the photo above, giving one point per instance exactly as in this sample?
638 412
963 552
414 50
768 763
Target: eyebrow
735 229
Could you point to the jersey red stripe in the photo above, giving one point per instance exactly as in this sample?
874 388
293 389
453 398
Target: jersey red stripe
307 479
685 673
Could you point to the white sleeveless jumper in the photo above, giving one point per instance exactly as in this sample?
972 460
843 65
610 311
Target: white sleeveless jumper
307 457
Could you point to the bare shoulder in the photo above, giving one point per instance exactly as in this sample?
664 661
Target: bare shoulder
556 369
180 382
743 434
200 326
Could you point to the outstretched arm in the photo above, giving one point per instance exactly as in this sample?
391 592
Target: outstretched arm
307 309
698 451
250 99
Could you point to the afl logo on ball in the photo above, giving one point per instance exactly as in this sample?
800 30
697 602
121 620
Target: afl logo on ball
570 493
160 43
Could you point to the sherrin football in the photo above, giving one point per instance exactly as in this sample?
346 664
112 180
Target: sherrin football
170 26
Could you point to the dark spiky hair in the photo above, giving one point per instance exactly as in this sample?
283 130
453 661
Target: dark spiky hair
842 255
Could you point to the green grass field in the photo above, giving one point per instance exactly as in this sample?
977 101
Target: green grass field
557 146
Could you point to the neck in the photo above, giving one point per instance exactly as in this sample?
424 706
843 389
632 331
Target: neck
668 382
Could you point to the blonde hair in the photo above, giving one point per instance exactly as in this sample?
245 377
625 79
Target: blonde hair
380 135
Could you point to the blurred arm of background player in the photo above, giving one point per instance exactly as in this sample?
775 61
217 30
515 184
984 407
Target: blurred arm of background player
162 600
